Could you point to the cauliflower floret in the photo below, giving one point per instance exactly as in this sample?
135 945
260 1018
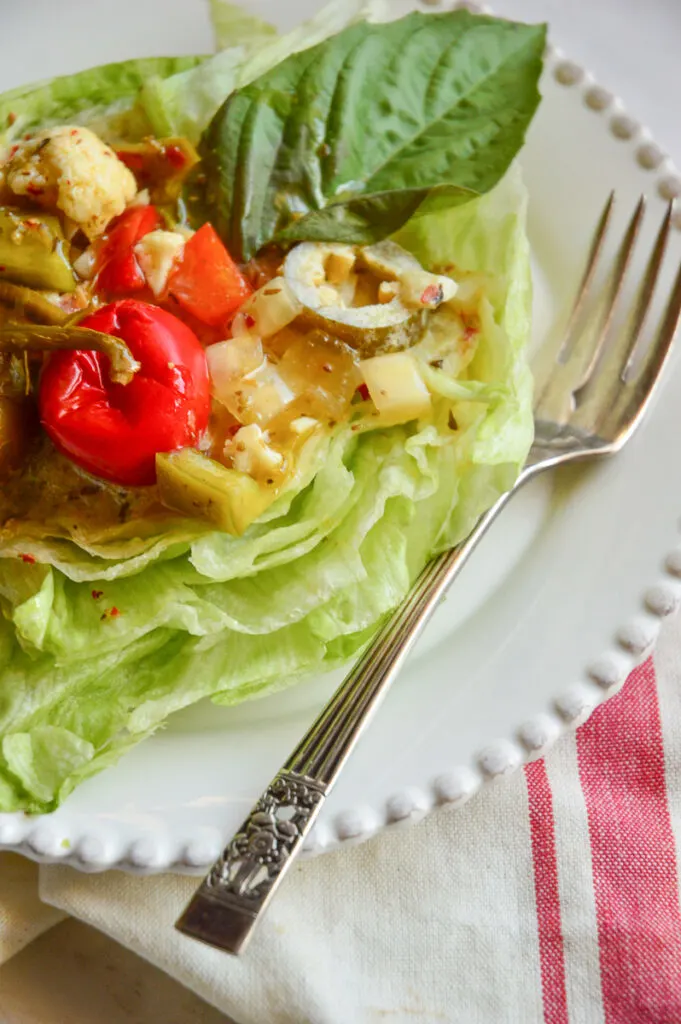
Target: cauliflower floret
250 452
158 253
70 168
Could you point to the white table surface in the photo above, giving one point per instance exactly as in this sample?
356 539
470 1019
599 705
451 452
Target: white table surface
73 973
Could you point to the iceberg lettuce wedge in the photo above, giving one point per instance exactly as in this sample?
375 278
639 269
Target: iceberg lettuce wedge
111 631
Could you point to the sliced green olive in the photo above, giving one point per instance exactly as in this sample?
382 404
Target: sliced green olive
376 299
33 251
40 338
417 287
369 329
197 486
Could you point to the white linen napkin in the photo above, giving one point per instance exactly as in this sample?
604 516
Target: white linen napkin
22 915
392 929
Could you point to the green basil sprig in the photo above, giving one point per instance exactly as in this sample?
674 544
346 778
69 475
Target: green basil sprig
344 141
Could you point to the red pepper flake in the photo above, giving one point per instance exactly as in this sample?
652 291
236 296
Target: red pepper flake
96 594
29 559
34 190
471 324
27 136
74 131
11 117
249 320
133 161
175 156
364 392
14 150
432 295
114 612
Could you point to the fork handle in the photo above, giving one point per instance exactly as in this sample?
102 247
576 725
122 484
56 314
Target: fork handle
234 894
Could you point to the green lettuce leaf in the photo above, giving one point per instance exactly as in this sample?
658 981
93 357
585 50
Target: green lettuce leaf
104 98
344 140
233 26
185 103
233 618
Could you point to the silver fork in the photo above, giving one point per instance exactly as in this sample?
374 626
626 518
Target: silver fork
592 388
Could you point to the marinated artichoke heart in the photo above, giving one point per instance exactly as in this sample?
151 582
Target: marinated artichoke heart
33 251
376 298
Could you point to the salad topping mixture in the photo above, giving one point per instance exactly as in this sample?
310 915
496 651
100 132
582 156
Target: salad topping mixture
333 331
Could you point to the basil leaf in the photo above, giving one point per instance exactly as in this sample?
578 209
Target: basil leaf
345 140
368 219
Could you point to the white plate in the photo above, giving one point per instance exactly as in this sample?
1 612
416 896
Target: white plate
560 601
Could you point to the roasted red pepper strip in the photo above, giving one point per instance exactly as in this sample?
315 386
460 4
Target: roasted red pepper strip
208 283
118 272
112 430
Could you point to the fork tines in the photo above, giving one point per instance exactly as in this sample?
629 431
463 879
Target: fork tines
602 370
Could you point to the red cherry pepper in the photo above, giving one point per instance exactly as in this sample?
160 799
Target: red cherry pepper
118 271
112 430
207 283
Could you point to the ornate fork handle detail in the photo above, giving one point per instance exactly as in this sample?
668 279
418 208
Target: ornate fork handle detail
233 896
242 880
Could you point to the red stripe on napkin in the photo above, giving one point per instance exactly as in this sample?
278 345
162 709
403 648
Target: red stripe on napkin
621 765
545 864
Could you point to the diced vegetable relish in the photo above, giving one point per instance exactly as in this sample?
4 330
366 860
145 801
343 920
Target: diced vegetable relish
290 350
